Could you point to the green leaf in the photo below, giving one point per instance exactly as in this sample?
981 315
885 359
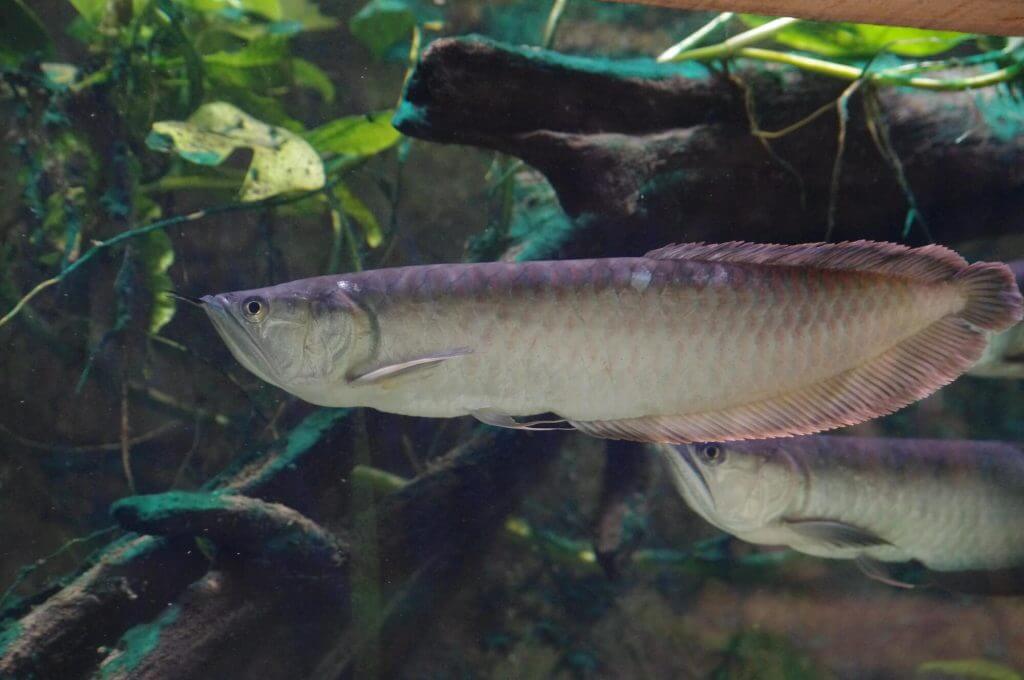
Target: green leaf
60 75
270 9
305 13
288 16
972 669
22 33
382 23
91 10
358 211
843 39
357 136
157 255
268 109
282 161
310 75
263 52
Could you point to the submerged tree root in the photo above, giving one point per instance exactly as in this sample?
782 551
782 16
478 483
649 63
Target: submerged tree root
145 609
641 154
270 534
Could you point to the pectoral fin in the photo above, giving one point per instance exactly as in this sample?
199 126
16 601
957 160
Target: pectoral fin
492 416
877 571
835 533
387 372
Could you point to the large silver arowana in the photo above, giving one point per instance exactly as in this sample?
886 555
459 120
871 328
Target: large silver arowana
692 342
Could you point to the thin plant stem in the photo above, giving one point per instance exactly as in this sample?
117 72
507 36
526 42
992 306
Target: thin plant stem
191 182
879 131
554 18
695 38
27 571
765 139
844 72
13 312
89 448
843 115
793 127
126 447
736 43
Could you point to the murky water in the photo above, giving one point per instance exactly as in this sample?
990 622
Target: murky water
165 512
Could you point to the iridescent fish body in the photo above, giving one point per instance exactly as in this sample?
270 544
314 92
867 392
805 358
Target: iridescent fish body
952 505
689 343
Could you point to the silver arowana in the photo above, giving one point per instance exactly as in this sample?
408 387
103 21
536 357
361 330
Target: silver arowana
693 342
951 505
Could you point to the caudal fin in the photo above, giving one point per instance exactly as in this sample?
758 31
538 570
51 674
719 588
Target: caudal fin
993 299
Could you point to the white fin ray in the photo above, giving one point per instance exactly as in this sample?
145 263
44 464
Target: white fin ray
835 533
498 418
388 371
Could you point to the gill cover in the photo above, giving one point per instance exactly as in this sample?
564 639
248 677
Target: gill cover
736 486
296 335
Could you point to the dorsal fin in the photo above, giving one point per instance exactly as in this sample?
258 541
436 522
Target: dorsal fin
928 263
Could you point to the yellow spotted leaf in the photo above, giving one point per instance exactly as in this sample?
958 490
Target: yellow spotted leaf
282 161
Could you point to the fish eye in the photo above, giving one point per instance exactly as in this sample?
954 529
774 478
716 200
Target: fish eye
254 309
713 454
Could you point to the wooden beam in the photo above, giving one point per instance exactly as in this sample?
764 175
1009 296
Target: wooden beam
993 17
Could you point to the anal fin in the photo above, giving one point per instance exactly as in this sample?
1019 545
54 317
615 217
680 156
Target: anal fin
906 372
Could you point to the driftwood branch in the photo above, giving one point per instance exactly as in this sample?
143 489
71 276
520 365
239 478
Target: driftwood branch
270 534
626 473
996 17
146 610
131 581
642 154
422 536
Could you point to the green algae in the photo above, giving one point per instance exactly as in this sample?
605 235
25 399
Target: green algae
137 643
538 226
1002 115
627 68
298 442
8 635
156 507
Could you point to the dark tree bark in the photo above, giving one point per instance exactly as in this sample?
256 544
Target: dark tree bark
625 474
134 578
279 601
643 155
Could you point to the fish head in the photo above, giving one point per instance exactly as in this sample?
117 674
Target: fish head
298 336
737 486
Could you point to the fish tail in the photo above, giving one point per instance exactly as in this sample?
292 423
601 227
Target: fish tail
993 299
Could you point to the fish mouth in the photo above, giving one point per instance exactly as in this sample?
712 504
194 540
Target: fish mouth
236 336
689 478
